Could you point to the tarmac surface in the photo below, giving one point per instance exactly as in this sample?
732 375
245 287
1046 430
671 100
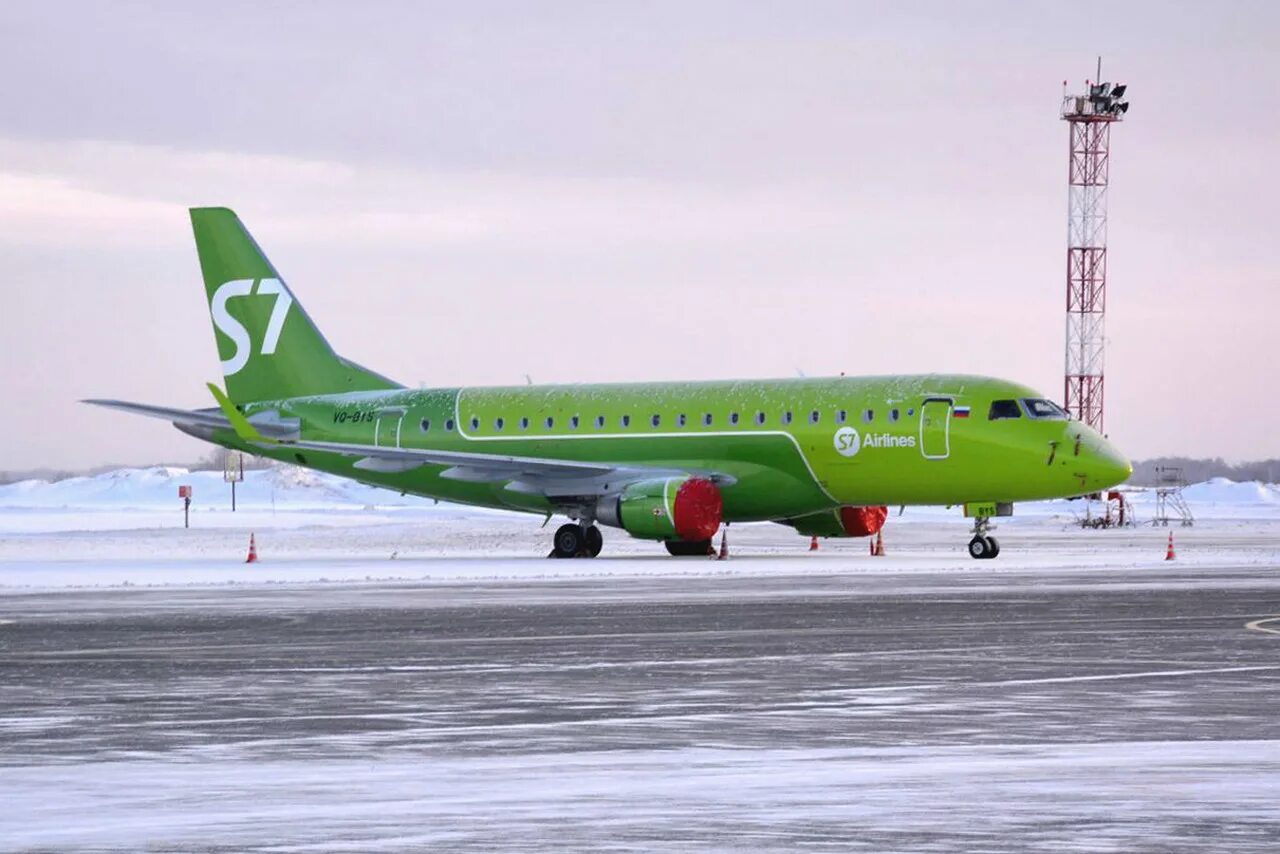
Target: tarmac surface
1101 710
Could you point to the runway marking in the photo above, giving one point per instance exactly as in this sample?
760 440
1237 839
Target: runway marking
1257 625
1148 674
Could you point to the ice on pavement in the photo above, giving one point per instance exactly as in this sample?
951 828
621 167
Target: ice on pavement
993 798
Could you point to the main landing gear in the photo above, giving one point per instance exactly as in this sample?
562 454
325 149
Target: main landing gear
983 547
574 540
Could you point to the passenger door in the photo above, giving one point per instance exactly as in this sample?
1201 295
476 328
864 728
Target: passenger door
935 428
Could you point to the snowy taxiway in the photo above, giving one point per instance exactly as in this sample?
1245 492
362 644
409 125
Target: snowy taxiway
409 678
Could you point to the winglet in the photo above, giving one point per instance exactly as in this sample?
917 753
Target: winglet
239 423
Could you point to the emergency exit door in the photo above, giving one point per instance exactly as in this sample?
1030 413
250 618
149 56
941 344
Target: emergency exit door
386 431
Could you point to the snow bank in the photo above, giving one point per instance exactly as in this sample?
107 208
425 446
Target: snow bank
291 488
1221 491
157 487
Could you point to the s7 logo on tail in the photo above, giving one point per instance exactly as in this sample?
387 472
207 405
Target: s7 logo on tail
235 330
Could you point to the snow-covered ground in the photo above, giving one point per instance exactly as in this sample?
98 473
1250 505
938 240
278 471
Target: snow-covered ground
125 527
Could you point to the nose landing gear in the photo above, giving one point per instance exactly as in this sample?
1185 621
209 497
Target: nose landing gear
982 546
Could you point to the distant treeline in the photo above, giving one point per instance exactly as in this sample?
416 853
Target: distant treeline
1196 470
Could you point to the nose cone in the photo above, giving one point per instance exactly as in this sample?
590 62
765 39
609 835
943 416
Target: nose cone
1110 467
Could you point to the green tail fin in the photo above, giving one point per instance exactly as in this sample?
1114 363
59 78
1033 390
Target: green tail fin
268 345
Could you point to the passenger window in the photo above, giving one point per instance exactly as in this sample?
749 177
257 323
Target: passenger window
814 416
599 422
733 418
573 422
1003 409
786 418
498 423
869 415
626 421
893 415
524 423
841 417
475 423
424 425
448 425
911 410
759 417
680 420
655 420
706 419
551 422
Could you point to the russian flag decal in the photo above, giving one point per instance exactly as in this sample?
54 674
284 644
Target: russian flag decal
962 412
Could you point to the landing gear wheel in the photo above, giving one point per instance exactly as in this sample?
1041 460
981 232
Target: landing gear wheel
686 548
980 548
568 542
995 547
594 542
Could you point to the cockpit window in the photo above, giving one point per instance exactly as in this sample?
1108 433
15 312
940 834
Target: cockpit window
1003 409
1044 409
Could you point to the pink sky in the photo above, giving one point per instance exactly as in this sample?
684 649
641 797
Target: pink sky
595 192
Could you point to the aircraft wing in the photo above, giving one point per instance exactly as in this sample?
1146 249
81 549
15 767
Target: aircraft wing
537 475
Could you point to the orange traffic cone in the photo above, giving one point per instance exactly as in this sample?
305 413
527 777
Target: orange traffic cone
724 545
1169 555
879 548
253 551
813 544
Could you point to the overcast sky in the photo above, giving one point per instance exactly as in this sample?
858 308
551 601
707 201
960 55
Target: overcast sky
465 193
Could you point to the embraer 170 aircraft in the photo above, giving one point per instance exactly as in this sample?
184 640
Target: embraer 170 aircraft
669 462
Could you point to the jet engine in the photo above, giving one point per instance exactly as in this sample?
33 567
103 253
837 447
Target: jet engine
671 508
842 522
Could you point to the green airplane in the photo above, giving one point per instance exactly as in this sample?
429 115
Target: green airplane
667 461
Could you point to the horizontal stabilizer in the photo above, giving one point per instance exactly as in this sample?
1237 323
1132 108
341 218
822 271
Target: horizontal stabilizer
269 424
194 418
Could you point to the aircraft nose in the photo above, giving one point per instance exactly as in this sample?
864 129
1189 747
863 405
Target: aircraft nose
1111 466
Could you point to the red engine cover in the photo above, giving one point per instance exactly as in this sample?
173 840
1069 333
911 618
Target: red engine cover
698 509
863 521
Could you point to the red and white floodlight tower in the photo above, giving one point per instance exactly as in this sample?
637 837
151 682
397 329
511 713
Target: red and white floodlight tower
1089 119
